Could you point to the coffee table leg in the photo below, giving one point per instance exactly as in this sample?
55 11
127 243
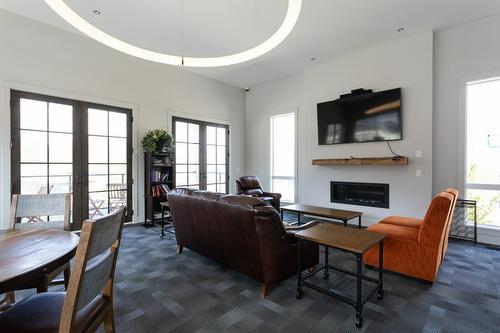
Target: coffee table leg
281 210
380 294
359 222
345 223
359 306
298 295
326 272
298 218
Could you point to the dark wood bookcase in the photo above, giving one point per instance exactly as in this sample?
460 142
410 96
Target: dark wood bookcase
159 177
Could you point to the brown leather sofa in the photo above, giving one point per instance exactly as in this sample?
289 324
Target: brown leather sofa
242 232
250 186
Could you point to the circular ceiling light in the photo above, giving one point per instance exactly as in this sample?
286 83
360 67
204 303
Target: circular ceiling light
292 15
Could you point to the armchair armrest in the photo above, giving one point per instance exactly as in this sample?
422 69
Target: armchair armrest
276 196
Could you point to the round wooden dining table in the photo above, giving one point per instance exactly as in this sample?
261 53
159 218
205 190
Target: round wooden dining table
28 256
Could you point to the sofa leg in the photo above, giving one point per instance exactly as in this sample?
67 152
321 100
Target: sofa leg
179 249
264 290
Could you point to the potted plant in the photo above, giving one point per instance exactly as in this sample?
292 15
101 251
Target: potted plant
158 141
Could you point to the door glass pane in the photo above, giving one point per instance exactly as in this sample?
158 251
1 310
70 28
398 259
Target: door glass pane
33 114
194 153
181 131
117 150
61 178
118 174
194 133
211 154
221 136
98 149
60 118
33 146
212 188
34 178
211 174
211 135
60 148
98 122
193 174
118 124
221 155
181 156
98 204
98 177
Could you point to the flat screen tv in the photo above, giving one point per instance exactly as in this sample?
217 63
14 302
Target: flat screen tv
362 116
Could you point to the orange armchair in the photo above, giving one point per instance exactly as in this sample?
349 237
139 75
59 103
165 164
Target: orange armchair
417 223
411 249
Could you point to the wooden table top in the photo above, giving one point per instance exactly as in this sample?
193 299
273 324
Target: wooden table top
27 255
337 214
340 237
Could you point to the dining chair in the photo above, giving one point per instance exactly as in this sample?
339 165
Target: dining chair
117 195
88 302
33 208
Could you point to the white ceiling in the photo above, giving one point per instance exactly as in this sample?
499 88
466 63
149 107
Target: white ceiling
326 28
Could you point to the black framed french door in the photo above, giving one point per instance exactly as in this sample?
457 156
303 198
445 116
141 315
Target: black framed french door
201 154
53 151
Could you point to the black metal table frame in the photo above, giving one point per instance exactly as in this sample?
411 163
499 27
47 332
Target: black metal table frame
169 229
298 217
357 303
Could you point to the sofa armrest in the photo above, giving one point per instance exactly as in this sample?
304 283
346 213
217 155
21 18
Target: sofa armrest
276 196
301 227
290 238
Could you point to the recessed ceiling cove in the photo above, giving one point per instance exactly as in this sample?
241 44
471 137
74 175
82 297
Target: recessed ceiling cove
92 22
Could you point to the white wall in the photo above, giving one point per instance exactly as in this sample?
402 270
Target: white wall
463 53
406 63
48 60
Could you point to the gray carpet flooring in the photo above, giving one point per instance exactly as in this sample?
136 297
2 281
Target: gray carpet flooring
159 291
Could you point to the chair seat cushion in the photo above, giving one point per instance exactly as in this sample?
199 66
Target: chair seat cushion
403 221
396 232
41 313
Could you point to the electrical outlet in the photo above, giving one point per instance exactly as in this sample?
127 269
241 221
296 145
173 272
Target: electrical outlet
418 173
419 154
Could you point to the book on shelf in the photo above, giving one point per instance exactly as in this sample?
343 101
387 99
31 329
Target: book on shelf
160 190
157 176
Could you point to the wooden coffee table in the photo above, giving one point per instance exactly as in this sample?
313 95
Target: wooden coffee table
351 287
335 214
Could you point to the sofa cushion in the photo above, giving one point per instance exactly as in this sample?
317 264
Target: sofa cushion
403 221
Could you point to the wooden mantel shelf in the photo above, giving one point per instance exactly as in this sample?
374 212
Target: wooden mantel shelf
395 160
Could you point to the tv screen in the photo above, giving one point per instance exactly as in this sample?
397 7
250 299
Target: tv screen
361 117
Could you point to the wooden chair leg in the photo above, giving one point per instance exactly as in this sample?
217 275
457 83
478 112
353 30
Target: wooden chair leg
179 249
264 290
67 274
109 322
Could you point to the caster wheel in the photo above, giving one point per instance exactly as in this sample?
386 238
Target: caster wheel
380 295
299 294
359 321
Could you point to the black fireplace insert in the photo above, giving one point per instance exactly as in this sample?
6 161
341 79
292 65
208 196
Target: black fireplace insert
361 194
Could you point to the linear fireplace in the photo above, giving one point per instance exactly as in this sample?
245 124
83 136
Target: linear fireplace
361 194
